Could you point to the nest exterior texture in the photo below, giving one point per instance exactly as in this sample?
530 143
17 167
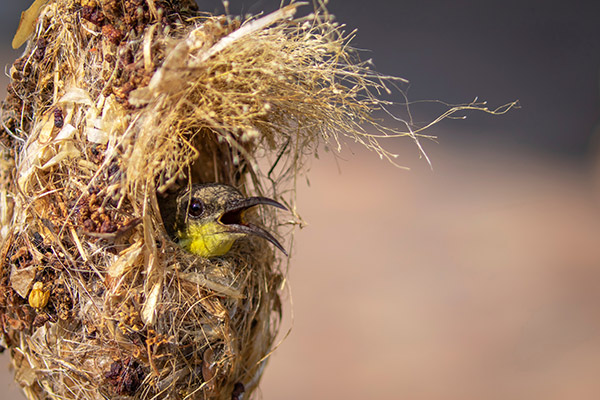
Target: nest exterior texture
114 106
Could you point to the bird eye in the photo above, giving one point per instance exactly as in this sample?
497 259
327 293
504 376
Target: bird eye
196 208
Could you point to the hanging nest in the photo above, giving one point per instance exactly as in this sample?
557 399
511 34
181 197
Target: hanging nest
114 107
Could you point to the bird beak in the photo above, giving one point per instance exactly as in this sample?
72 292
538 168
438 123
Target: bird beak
232 218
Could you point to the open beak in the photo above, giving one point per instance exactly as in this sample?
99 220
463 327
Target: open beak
232 218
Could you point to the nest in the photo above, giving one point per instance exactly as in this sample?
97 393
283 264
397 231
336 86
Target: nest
114 107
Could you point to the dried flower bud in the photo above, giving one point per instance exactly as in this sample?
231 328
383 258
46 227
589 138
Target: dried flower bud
38 298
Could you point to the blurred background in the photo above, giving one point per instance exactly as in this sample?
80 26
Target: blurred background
479 278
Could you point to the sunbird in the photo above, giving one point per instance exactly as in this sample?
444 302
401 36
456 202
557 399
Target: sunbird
210 218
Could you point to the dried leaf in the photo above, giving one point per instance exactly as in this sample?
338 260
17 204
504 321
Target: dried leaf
27 23
76 95
67 150
149 310
126 260
25 375
67 132
21 280
202 280
95 135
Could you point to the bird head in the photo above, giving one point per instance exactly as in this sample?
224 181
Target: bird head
210 218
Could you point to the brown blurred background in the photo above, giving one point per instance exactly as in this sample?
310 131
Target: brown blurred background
479 279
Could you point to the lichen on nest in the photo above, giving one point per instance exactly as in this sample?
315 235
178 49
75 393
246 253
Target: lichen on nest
113 107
